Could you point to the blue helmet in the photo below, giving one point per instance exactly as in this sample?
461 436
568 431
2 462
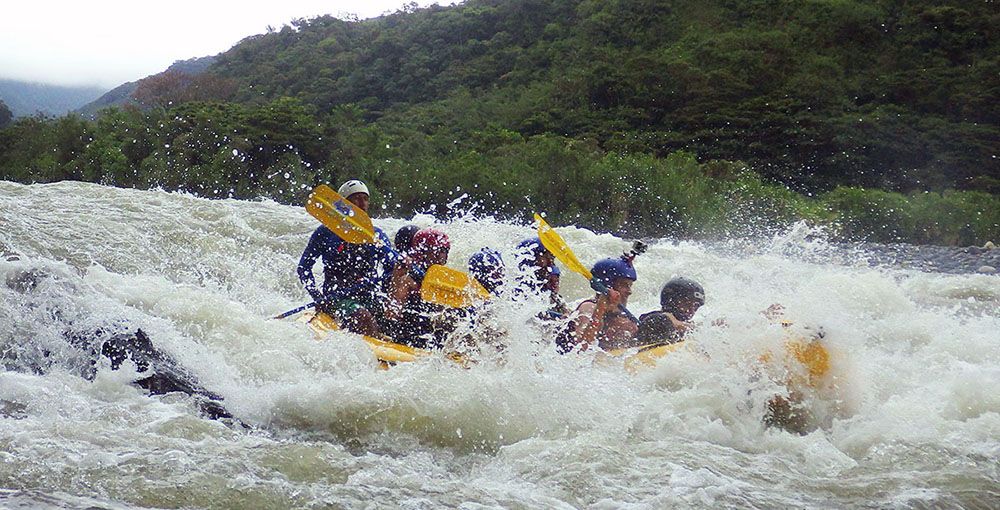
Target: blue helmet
532 244
608 270
528 250
554 270
486 265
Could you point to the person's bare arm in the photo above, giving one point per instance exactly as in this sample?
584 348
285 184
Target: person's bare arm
401 285
591 319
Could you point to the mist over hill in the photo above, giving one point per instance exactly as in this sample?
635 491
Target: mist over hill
28 98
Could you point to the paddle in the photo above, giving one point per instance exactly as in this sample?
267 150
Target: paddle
345 219
294 311
553 242
452 288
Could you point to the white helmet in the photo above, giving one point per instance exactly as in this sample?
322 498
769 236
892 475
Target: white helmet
351 187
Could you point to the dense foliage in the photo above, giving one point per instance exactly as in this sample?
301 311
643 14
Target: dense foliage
709 118
814 94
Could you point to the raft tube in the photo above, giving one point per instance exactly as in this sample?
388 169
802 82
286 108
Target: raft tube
810 353
387 353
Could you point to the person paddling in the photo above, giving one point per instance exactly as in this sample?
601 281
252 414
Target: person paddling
408 319
534 264
352 273
603 320
558 309
538 274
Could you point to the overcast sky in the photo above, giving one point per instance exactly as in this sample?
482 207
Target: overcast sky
110 42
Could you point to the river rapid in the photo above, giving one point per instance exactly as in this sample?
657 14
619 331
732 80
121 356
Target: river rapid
908 418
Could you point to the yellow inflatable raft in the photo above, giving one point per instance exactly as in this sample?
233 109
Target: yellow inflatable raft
387 353
810 353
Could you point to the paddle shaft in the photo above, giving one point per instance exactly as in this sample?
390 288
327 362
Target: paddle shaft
294 311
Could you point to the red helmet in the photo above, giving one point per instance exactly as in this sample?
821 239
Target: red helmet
427 241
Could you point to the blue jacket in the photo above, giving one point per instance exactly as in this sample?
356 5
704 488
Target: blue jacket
349 270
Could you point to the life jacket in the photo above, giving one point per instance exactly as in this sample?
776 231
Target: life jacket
416 325
656 327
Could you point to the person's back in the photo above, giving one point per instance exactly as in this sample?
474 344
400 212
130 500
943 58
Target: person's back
534 266
487 267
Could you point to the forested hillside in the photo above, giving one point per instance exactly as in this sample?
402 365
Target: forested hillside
713 117
899 95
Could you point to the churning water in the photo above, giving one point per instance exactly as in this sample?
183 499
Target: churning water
908 418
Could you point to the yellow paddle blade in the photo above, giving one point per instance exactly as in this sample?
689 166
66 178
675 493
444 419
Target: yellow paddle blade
452 288
345 219
555 244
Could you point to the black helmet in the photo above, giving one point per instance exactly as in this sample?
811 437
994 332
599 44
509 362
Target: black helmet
678 290
404 238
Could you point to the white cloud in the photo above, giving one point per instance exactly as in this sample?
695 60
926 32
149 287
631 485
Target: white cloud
109 42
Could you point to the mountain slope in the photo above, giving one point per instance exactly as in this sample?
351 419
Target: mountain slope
865 92
125 94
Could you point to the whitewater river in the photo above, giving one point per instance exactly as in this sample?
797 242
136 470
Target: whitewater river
909 416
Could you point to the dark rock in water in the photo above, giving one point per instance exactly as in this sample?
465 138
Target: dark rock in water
82 343
166 376
12 409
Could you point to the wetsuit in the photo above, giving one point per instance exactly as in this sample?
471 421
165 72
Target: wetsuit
352 273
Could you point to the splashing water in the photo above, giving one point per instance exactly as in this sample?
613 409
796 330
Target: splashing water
910 416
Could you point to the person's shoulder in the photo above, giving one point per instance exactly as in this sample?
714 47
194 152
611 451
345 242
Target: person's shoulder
322 231
384 244
586 306
653 316
325 236
655 326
